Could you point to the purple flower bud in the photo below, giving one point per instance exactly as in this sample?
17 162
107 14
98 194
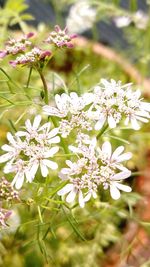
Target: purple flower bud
3 54
61 38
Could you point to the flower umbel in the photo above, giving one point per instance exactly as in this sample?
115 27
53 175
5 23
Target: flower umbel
115 102
60 38
33 150
32 58
14 47
95 167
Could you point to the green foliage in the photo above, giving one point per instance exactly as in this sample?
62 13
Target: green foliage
14 12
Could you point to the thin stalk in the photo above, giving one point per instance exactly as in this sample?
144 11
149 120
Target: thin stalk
44 86
29 77
102 131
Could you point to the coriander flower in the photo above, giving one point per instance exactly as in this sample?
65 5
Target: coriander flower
14 47
71 107
32 58
61 38
93 168
34 150
115 102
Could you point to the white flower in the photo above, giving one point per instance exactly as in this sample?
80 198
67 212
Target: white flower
44 163
122 21
115 187
68 104
116 158
114 102
94 167
141 19
81 16
29 150
72 190
62 103
71 107
13 149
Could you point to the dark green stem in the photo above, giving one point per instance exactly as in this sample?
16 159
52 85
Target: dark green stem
44 86
29 77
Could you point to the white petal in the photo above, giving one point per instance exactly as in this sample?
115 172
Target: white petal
125 156
115 194
32 171
53 111
62 176
7 148
145 106
142 113
45 126
65 171
121 175
73 149
59 102
81 200
5 157
28 125
100 123
87 197
53 132
36 122
126 121
54 140
21 133
88 98
51 164
51 152
44 169
135 124
123 187
117 152
71 196
142 119
11 138
106 148
66 189
111 122
19 179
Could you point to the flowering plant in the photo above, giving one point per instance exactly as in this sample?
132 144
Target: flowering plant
69 159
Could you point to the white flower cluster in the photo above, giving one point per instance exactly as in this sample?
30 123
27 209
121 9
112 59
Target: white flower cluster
140 19
71 110
93 168
30 149
111 102
89 166
81 16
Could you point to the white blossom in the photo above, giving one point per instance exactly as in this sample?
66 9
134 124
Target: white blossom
81 16
70 108
29 150
115 102
139 18
94 167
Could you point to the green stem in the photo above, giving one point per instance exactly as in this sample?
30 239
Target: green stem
44 86
102 131
29 77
